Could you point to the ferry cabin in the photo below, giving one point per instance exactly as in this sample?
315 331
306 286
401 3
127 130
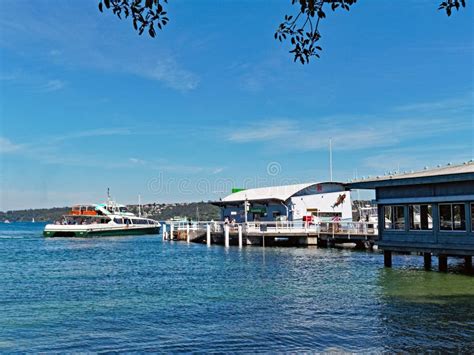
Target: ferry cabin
430 212
315 202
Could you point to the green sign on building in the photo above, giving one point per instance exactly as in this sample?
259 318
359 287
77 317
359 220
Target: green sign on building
236 189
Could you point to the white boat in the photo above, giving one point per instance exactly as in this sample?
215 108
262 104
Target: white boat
6 221
107 219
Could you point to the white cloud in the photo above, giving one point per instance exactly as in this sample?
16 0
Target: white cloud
137 161
93 49
98 132
451 104
52 85
217 171
7 146
404 123
264 131
365 132
170 73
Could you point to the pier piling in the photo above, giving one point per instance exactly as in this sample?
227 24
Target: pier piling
164 231
240 237
188 238
443 263
226 236
427 260
171 236
208 235
468 263
387 258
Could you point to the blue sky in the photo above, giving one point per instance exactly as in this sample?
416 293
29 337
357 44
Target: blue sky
214 102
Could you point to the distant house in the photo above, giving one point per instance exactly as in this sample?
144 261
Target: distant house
431 211
319 201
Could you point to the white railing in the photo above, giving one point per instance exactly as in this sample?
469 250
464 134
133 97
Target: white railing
342 227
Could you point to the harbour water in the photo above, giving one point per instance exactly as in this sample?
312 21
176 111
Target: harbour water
142 294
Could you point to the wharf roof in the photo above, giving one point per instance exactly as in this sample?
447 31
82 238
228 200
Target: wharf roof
272 193
449 173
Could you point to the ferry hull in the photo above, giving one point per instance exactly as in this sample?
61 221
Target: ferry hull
101 233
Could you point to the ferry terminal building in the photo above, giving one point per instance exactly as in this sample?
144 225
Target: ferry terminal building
430 212
320 202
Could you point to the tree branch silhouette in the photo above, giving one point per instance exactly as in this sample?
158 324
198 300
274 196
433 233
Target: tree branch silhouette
302 28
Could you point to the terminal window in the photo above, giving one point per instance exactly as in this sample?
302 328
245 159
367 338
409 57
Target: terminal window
452 216
472 217
421 217
394 217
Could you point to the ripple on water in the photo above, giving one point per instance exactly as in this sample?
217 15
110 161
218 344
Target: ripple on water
139 294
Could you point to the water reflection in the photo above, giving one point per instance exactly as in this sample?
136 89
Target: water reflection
426 310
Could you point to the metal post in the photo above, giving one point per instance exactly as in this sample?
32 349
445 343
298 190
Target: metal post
226 235
246 208
240 236
208 235
330 158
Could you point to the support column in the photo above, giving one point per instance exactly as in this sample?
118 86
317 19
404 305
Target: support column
468 263
387 258
443 263
188 238
240 236
208 235
163 232
427 260
226 236
171 237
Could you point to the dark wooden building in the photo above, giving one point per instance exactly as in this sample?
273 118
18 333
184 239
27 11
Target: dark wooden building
431 212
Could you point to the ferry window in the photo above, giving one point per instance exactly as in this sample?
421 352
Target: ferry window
126 221
394 217
421 217
118 220
452 217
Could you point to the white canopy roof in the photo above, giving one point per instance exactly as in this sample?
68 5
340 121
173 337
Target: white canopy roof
281 193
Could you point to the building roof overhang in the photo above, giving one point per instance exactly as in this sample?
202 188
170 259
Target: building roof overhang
456 173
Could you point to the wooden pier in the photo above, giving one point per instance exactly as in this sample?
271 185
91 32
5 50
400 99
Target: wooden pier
359 234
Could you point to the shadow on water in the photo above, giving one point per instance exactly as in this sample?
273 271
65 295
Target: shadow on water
422 310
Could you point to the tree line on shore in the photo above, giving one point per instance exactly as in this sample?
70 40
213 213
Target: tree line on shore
203 211
158 211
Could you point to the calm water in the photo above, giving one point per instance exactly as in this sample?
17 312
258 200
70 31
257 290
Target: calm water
138 294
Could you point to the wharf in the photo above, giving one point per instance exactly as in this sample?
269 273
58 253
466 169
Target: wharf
360 234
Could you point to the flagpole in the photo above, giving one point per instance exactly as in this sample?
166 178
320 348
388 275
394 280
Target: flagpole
330 158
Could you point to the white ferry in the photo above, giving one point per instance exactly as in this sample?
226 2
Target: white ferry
108 219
